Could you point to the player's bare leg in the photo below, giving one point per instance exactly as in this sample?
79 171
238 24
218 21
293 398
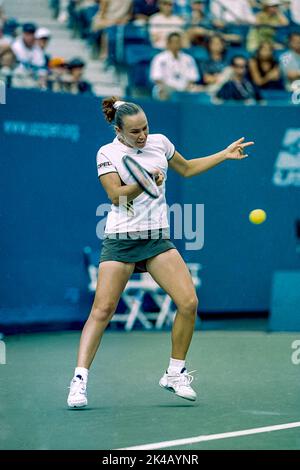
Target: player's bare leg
163 268
112 279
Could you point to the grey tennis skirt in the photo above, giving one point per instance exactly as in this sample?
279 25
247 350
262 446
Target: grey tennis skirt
138 251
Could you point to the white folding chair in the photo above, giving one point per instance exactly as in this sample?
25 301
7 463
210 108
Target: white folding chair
133 297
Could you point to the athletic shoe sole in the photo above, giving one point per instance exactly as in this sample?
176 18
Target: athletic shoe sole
77 405
170 389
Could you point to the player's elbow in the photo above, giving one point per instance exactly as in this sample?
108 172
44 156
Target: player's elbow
183 170
187 171
115 200
114 197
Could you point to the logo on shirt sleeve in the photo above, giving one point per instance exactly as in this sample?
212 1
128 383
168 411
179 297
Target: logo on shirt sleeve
103 164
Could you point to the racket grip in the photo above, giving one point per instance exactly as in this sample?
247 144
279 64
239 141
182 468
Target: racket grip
153 176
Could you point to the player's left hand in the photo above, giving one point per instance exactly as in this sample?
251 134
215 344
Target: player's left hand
236 151
159 177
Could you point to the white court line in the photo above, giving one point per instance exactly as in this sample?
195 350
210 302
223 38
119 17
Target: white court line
212 437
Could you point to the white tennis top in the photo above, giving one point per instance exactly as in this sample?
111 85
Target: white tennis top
144 212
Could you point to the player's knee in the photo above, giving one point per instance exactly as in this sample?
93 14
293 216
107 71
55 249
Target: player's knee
189 306
103 312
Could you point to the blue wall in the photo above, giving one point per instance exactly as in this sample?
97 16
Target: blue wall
49 195
238 258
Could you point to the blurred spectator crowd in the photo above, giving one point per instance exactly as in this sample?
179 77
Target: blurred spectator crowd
25 63
225 50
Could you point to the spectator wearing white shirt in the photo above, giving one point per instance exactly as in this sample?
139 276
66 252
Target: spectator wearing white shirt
290 61
232 11
31 67
173 70
164 23
28 53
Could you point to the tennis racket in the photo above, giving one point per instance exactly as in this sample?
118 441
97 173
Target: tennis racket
141 176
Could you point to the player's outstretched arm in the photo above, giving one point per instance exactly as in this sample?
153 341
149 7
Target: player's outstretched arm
196 166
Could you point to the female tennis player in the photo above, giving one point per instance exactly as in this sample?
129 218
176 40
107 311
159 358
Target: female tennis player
134 214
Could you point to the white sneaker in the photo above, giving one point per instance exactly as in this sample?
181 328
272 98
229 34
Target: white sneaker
77 397
180 384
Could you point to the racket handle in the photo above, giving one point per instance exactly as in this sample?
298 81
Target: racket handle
154 176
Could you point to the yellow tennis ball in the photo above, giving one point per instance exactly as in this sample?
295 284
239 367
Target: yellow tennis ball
257 216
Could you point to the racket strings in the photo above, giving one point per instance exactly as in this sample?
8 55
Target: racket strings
143 178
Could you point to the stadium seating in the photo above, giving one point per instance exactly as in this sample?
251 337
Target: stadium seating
129 47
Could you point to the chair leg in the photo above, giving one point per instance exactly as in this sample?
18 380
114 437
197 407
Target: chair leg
165 312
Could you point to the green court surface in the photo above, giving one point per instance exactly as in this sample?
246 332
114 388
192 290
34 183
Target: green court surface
245 380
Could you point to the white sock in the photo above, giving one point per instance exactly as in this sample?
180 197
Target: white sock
176 365
83 372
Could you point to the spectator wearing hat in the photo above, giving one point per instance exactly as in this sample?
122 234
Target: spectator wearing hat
267 21
43 36
271 14
74 82
58 74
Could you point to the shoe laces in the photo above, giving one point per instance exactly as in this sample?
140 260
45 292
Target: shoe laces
184 378
77 386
